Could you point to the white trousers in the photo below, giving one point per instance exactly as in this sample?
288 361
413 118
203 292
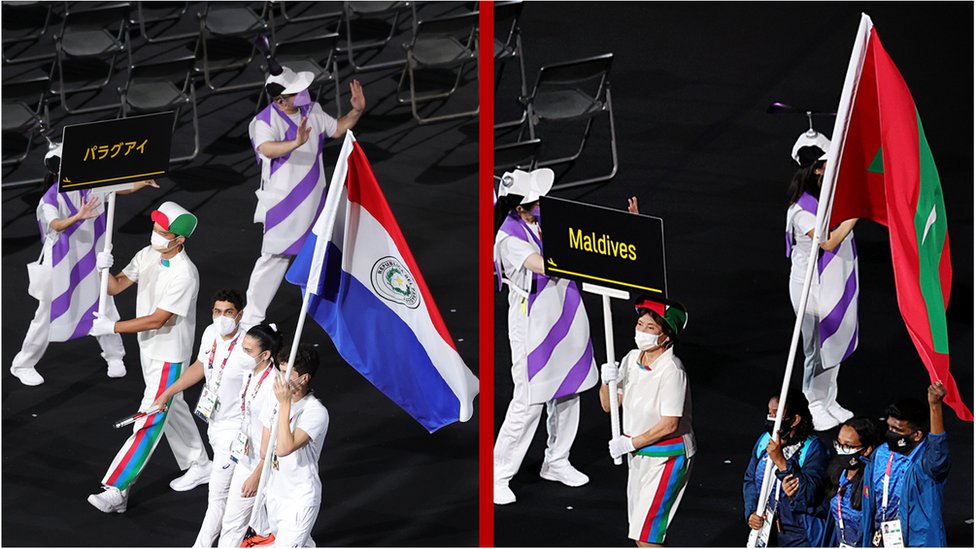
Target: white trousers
221 474
177 424
237 514
819 379
522 419
269 271
292 522
38 334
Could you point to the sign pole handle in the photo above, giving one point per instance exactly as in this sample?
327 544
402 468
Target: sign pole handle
109 226
614 407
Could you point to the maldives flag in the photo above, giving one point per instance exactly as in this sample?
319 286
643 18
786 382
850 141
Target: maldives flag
884 171
367 292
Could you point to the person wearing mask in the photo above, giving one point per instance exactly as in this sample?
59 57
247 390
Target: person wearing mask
166 297
543 380
795 513
219 405
657 436
288 137
907 475
856 440
72 226
256 361
828 339
294 491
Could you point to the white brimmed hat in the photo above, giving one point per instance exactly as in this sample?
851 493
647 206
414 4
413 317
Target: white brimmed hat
810 147
529 185
291 81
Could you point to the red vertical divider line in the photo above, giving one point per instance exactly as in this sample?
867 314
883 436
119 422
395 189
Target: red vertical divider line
486 332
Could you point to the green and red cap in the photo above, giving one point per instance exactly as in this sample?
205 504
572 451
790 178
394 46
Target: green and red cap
673 313
175 219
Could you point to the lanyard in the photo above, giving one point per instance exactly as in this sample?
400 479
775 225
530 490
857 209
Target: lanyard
246 410
213 351
884 491
840 512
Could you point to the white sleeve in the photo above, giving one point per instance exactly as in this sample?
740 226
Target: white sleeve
131 271
261 133
268 408
206 344
179 295
804 222
314 421
329 124
674 383
515 251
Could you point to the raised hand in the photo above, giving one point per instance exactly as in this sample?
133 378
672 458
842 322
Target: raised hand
936 392
357 99
632 205
87 210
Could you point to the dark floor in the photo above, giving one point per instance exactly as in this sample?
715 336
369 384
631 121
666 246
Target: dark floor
691 83
385 480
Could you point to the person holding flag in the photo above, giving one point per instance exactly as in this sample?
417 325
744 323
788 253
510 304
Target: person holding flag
72 226
657 435
288 137
167 285
829 325
550 367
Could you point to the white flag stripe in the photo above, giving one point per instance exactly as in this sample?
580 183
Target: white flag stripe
567 352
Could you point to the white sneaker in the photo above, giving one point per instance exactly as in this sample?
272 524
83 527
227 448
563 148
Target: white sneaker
838 412
111 500
27 376
116 368
564 473
503 494
193 477
822 419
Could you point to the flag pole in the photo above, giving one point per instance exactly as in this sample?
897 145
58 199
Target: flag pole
825 205
107 248
323 228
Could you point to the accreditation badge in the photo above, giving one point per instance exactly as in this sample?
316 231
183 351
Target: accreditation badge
240 448
207 404
891 533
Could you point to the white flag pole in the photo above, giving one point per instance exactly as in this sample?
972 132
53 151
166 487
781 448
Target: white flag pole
606 294
324 226
107 248
821 232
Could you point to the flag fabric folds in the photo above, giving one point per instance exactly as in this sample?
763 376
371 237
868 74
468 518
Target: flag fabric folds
886 172
368 294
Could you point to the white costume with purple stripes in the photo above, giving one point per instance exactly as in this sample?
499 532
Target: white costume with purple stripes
552 356
291 195
74 296
829 324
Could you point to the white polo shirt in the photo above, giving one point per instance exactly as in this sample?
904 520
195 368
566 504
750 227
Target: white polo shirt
652 394
171 285
219 365
800 222
257 396
297 478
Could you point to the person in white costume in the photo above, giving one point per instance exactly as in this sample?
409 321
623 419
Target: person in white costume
656 427
518 254
288 137
219 404
167 285
72 226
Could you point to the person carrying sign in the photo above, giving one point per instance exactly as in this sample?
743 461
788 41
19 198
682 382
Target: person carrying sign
549 366
166 297
65 281
288 137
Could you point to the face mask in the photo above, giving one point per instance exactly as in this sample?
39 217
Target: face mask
159 242
537 214
645 341
302 98
902 444
225 325
247 362
770 423
848 458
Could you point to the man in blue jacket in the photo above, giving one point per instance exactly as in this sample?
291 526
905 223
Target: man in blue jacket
906 477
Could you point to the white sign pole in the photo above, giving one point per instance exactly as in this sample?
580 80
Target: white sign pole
109 226
606 294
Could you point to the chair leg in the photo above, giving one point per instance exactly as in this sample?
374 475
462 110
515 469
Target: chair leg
613 156
63 92
350 48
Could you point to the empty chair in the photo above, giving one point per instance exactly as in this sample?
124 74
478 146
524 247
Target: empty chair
24 25
315 54
229 21
88 37
25 114
363 11
573 91
508 46
442 43
159 87
156 12
520 155
310 14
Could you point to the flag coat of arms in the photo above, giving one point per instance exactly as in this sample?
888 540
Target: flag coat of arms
368 294
885 171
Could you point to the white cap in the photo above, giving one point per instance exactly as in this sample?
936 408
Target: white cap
292 81
819 146
529 185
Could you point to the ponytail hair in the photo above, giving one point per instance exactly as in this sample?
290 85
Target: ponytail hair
268 338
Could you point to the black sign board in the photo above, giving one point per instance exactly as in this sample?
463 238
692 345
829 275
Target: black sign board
603 246
110 152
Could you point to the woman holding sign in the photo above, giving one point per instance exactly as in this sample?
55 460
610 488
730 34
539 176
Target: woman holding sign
657 435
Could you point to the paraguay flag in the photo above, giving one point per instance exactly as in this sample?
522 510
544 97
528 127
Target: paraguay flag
369 296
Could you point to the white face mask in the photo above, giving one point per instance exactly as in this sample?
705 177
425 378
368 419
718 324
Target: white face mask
247 362
646 341
225 325
159 242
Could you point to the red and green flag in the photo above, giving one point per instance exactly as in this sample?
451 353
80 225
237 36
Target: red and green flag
885 172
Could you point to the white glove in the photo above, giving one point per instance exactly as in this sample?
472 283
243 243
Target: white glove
102 326
608 373
620 446
104 260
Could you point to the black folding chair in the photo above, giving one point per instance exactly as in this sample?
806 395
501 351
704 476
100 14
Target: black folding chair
24 25
568 92
154 13
372 11
508 46
25 114
520 155
163 86
441 43
309 14
229 22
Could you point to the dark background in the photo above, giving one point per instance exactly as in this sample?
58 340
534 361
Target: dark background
691 83
386 481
